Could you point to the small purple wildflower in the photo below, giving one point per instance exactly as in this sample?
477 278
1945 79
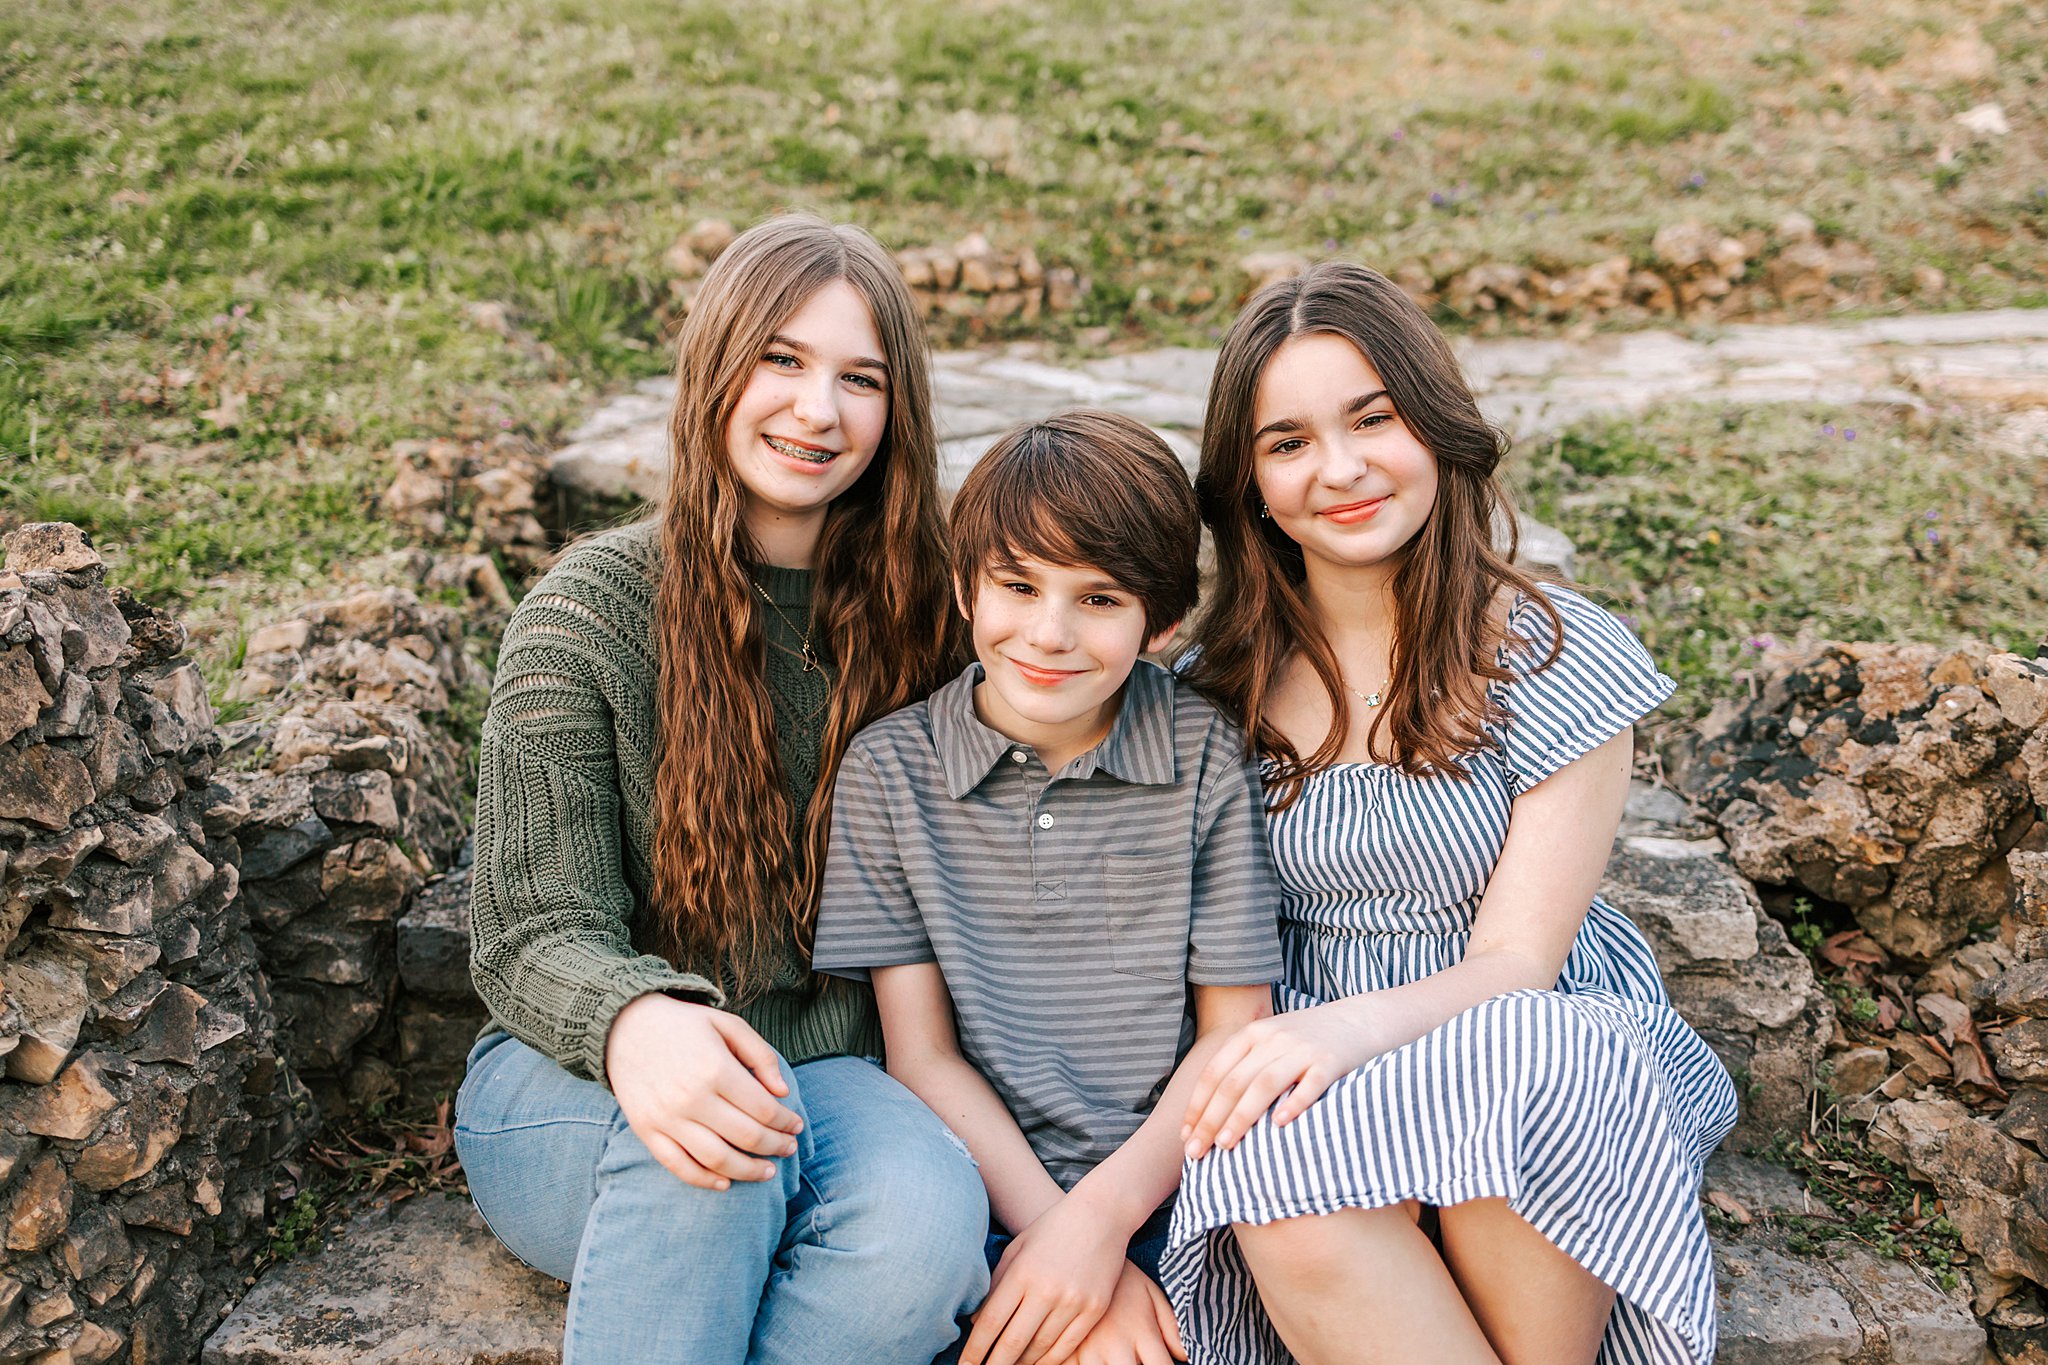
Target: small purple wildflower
1934 516
1329 244
1848 433
1828 429
1760 643
1696 181
1437 197
1398 134
1933 536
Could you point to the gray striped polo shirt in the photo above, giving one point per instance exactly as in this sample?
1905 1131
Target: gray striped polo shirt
1070 912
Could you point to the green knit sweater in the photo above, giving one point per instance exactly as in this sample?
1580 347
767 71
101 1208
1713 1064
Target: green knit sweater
565 818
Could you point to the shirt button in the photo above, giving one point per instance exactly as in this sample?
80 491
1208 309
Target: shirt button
1045 820
1018 756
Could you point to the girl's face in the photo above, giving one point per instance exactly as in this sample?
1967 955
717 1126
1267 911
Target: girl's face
811 415
1339 471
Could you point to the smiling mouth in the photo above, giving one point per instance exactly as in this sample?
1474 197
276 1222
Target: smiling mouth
808 454
1355 511
1045 676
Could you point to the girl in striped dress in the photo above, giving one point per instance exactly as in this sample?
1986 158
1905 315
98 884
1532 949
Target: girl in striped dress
1474 1131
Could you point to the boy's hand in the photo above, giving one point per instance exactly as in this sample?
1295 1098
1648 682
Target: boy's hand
1297 1055
1054 1283
1138 1329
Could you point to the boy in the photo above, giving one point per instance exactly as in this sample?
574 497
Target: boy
1055 873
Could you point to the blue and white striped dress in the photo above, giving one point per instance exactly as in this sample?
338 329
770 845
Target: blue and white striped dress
1590 1108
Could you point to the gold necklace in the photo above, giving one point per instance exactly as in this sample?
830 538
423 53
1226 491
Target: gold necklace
1370 699
808 655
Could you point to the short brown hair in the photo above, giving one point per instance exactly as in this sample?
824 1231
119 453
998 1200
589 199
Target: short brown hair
1084 488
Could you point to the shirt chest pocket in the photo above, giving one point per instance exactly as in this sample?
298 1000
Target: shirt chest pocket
1145 904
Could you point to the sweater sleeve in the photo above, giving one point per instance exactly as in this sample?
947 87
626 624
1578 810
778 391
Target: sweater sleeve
550 907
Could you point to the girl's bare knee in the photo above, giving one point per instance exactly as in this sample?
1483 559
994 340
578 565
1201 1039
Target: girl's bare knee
1313 1239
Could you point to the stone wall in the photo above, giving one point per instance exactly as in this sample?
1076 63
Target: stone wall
1729 967
348 790
145 1104
971 280
1905 787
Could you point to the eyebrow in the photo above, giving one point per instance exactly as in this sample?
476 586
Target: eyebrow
1015 569
1355 406
861 362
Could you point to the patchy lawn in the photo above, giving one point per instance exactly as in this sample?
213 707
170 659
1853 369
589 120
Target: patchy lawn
244 243
1719 529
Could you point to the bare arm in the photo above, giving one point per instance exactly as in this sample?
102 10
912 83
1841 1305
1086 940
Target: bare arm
1143 1173
1559 837
924 1054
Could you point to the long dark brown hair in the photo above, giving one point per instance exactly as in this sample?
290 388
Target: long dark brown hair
1447 629
730 881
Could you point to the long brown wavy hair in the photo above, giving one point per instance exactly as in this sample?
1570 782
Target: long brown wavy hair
731 882
1447 630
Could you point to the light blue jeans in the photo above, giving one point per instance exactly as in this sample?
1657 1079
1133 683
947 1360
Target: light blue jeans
865 1247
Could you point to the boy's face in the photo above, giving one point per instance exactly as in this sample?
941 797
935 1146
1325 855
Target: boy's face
1057 644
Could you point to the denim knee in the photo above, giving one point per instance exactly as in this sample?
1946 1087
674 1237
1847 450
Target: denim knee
927 1226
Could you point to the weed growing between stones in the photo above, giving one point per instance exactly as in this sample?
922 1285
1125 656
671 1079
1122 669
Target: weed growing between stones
1872 1199
397 1154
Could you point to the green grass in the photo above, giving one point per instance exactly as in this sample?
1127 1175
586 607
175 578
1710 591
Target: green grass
298 204
1721 531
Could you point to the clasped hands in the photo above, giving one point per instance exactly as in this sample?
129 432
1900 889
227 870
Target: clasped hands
1064 1294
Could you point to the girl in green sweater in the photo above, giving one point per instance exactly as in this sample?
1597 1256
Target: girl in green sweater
669 1111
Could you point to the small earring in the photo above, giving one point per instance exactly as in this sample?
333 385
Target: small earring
1264 510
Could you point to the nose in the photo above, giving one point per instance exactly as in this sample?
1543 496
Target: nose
817 401
1051 628
1343 465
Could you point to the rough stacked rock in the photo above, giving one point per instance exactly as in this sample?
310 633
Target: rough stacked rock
1692 270
438 1012
349 794
971 280
1907 784
144 1098
1893 779
484 494
1729 967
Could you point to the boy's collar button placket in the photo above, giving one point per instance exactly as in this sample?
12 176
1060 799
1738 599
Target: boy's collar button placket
1019 756
1045 819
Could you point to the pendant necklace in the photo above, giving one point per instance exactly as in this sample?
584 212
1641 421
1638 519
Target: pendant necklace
1372 698
809 656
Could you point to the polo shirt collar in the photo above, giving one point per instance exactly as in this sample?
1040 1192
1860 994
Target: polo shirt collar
1138 749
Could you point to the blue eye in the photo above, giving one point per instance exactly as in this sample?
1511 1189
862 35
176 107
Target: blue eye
866 381
780 361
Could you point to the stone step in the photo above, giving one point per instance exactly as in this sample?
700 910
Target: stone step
1530 386
421 1281
424 1282
1847 1306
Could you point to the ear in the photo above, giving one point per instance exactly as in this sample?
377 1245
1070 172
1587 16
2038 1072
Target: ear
960 602
1162 639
